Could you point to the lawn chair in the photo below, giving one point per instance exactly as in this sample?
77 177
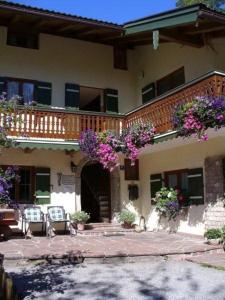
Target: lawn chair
58 220
33 220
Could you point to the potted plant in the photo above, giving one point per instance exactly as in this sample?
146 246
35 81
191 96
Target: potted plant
213 236
80 218
127 218
167 203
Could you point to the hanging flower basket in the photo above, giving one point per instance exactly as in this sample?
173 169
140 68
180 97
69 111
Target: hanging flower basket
105 146
195 117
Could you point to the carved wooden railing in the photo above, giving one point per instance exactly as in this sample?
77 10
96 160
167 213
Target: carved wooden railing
160 111
46 123
62 124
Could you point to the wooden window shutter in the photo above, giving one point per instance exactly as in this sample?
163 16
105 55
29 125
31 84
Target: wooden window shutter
43 93
111 101
2 85
148 92
196 186
155 184
131 172
120 57
72 95
43 186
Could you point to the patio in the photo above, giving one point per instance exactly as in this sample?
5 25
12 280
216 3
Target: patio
87 247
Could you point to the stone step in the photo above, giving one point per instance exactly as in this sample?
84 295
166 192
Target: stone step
106 232
103 224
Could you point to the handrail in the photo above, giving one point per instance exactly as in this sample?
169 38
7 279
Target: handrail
54 123
175 90
160 111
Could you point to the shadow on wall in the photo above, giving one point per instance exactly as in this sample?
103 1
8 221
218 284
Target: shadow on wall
192 216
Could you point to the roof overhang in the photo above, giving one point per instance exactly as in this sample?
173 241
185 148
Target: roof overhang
33 144
45 21
191 25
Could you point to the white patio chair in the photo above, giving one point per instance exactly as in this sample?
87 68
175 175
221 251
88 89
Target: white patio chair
57 220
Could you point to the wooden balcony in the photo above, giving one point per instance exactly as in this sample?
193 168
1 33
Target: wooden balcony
160 111
61 124
67 125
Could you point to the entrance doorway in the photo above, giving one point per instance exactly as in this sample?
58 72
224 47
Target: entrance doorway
95 192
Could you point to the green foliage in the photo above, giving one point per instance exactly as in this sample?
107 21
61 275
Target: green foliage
223 234
214 4
80 217
127 216
167 202
214 233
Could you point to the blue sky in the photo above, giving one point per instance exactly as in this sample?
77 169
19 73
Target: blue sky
117 11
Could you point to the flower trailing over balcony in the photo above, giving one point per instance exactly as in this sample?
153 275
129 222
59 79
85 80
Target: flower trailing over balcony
195 117
9 117
167 203
135 138
105 146
6 183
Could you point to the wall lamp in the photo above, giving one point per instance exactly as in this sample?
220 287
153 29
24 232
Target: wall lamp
73 167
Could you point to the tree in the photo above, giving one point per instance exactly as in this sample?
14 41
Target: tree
214 4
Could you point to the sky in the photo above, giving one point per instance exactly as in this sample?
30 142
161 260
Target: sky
116 11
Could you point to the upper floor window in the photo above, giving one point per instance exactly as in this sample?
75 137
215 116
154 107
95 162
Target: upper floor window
170 81
163 85
22 88
22 39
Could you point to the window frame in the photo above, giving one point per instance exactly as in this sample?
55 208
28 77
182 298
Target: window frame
168 76
177 172
20 81
12 32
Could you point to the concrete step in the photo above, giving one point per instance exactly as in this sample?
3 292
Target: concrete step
103 224
105 229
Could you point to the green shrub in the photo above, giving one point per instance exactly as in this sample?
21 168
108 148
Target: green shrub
223 234
80 217
126 216
214 233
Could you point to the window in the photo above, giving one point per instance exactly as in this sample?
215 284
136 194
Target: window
177 180
22 88
170 81
34 186
23 190
189 182
22 39
91 99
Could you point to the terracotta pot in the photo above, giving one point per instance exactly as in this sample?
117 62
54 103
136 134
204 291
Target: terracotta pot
127 225
81 226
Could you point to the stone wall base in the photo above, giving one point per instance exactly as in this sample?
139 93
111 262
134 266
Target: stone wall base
215 215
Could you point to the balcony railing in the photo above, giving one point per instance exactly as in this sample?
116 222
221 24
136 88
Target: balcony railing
56 124
160 111
62 124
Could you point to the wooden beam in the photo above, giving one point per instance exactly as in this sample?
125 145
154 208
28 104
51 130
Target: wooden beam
15 19
206 30
66 27
86 32
182 39
39 24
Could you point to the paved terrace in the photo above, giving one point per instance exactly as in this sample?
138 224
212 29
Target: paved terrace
129 245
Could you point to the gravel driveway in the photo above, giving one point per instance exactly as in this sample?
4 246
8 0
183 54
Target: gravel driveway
156 279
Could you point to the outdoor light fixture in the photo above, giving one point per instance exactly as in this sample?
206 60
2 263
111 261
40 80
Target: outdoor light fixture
73 167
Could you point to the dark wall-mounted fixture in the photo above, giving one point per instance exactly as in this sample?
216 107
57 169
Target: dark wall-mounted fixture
73 167
133 192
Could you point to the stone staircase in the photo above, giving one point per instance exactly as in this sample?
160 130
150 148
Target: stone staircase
105 229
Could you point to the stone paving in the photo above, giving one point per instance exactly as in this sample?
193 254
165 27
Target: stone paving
129 245
214 260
